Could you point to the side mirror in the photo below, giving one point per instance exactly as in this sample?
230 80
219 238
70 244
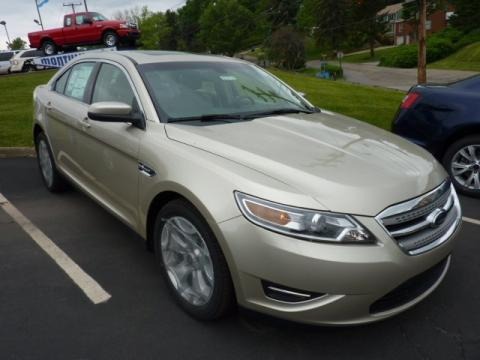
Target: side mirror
111 111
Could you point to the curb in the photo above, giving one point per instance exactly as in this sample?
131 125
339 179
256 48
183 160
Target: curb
15 152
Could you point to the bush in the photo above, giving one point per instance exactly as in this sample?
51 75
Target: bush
439 46
404 56
287 48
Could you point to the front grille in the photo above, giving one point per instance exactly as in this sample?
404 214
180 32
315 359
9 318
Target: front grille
410 290
423 223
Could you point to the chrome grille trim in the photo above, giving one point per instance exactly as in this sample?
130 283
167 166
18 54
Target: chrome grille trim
412 224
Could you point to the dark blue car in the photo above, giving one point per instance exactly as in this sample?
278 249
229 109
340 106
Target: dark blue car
445 120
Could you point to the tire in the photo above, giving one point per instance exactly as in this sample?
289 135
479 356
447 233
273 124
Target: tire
110 39
204 259
462 161
27 68
52 179
49 47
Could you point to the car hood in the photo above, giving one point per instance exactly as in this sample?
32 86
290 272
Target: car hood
346 165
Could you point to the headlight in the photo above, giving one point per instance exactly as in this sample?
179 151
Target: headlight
123 26
302 223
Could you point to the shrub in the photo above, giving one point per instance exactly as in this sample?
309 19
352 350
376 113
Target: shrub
439 46
404 56
287 48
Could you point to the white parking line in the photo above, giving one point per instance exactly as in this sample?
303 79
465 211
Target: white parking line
471 221
84 281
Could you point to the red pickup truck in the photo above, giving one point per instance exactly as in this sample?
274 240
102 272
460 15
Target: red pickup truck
85 28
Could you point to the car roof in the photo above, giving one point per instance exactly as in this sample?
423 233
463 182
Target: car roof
149 57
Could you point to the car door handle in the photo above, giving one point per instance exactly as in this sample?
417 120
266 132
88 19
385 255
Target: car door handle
85 123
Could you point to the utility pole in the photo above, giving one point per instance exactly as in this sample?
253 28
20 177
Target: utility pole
72 5
85 3
422 42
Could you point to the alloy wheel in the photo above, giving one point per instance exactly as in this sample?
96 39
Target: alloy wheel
466 167
110 40
187 260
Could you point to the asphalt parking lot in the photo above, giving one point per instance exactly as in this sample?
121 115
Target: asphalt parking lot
44 315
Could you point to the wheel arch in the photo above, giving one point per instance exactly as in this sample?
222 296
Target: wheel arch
464 131
109 29
177 191
37 129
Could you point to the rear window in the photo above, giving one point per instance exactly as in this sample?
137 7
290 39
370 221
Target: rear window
5 56
31 53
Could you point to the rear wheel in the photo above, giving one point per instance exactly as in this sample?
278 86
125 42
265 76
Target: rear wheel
192 262
51 177
49 47
462 161
110 39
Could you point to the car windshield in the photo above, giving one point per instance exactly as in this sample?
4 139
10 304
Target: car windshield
210 90
97 17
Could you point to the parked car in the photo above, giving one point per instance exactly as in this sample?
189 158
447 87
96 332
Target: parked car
86 28
22 61
247 193
5 57
445 119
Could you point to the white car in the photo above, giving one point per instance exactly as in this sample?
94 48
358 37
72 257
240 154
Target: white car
23 61
5 57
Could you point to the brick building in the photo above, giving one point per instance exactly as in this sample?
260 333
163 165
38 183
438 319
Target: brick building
404 32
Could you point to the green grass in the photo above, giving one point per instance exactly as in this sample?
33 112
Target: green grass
374 105
16 107
467 58
365 56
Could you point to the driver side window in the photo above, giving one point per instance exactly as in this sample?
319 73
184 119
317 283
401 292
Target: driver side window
113 85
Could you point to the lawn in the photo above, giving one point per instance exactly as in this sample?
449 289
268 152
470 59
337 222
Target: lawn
374 105
364 57
467 58
16 107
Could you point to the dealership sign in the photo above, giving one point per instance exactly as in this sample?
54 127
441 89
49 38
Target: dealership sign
58 61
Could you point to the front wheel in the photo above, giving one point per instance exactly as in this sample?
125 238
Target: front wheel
110 39
192 262
49 47
462 161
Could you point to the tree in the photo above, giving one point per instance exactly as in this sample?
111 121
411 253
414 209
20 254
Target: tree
331 20
152 25
189 25
287 48
467 14
280 13
17 44
168 38
226 26
134 15
367 23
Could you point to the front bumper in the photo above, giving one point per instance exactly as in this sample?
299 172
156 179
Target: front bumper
353 277
128 34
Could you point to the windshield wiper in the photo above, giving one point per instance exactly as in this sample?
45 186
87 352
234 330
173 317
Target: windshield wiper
208 117
279 112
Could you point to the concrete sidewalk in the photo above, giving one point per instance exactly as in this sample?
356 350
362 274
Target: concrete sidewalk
393 78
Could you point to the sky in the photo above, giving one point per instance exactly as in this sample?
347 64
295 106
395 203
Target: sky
19 14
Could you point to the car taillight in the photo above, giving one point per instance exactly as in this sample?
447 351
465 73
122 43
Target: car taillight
410 100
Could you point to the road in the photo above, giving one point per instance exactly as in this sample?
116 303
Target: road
44 315
393 78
